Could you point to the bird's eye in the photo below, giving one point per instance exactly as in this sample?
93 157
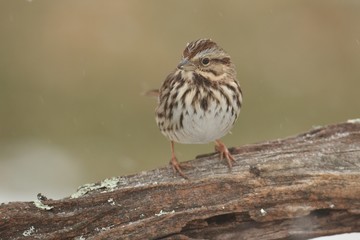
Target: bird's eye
205 61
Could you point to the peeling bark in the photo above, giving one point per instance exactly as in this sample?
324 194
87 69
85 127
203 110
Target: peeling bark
295 188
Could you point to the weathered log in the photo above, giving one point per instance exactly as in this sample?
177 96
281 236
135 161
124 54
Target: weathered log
299 187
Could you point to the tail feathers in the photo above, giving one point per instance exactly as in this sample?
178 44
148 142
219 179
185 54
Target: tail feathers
152 93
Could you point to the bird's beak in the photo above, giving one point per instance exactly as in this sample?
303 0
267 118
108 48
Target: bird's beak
185 64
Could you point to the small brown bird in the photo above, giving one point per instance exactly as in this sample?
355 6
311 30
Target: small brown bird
200 100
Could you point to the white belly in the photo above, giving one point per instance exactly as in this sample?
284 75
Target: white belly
204 127
199 115
199 126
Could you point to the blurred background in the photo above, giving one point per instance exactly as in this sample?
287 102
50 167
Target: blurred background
72 75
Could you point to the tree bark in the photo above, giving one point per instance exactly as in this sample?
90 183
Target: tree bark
295 188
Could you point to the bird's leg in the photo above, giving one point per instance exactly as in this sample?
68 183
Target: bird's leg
174 162
224 152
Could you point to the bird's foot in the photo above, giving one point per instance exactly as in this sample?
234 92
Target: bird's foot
176 167
224 152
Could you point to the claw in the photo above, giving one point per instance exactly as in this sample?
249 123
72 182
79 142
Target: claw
224 152
175 164
176 167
